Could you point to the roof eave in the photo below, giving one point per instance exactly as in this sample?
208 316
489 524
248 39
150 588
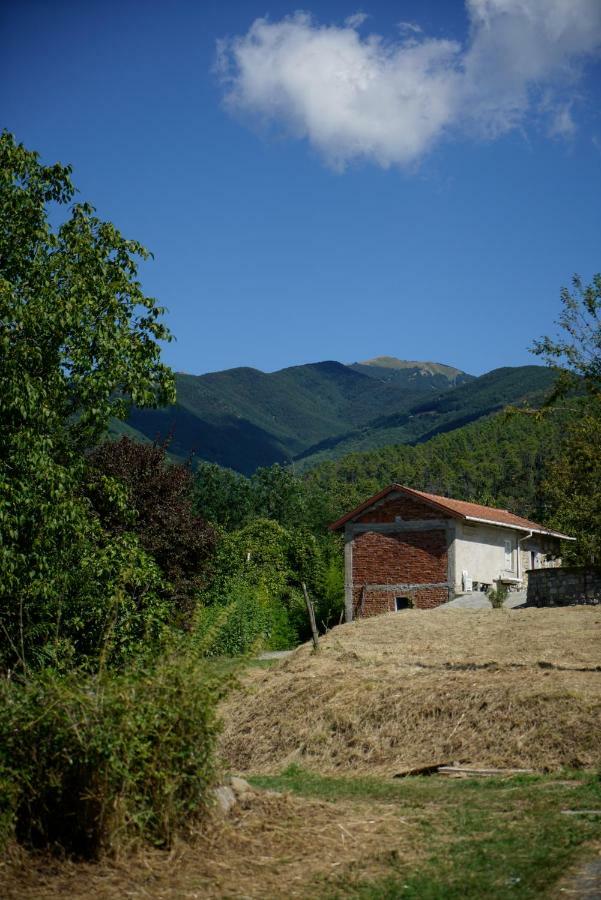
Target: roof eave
516 527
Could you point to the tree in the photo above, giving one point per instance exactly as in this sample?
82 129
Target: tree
573 486
79 341
222 496
578 350
159 511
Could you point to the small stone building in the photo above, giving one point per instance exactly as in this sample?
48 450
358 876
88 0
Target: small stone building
407 548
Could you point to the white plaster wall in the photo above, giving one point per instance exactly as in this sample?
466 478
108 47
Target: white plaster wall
480 551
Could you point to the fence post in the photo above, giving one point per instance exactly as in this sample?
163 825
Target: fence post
311 612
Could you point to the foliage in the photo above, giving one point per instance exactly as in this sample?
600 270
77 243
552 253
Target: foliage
498 595
244 419
268 562
572 488
93 763
78 338
158 509
578 349
222 496
501 461
573 485
245 621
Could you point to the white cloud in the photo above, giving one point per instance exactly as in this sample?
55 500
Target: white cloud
411 27
356 20
388 102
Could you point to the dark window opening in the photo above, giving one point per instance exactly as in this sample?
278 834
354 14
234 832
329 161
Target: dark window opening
402 603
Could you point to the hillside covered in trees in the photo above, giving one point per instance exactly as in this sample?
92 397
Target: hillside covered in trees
244 419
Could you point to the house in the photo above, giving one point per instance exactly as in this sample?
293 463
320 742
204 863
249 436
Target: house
407 548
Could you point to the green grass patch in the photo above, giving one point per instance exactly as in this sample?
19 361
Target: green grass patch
494 838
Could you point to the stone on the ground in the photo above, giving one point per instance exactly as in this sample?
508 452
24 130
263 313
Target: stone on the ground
240 786
226 798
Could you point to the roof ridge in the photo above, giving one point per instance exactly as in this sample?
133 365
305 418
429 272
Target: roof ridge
451 505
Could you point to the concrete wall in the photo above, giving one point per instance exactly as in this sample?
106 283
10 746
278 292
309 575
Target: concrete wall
565 586
480 551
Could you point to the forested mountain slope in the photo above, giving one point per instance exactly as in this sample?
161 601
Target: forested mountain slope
243 418
472 400
502 461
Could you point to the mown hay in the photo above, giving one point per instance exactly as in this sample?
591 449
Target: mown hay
497 688
274 846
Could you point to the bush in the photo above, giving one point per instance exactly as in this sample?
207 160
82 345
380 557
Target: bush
246 621
498 595
91 764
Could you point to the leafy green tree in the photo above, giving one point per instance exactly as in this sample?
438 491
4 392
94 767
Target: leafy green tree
573 486
578 348
222 496
159 512
279 495
79 341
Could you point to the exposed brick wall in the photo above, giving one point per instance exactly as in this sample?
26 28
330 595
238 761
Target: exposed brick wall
404 557
377 602
405 507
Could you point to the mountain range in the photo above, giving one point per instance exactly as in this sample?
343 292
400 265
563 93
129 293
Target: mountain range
243 418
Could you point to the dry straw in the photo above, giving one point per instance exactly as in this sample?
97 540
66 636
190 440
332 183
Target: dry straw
510 688
276 846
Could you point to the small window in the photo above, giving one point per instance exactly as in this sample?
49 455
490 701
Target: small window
508 555
402 603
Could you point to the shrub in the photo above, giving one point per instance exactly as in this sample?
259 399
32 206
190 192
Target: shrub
498 595
92 764
245 621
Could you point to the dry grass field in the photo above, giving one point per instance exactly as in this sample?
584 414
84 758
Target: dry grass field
508 688
320 735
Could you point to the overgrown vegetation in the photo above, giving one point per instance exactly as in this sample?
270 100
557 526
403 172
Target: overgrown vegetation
98 763
104 734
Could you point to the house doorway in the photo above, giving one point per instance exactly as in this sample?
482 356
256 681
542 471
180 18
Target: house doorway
401 603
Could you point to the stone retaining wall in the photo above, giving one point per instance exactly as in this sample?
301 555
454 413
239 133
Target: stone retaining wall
564 586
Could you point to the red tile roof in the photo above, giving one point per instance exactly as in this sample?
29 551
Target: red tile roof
459 509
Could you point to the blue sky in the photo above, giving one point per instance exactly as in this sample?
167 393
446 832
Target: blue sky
323 194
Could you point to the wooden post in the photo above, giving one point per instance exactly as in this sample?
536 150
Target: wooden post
311 612
362 605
